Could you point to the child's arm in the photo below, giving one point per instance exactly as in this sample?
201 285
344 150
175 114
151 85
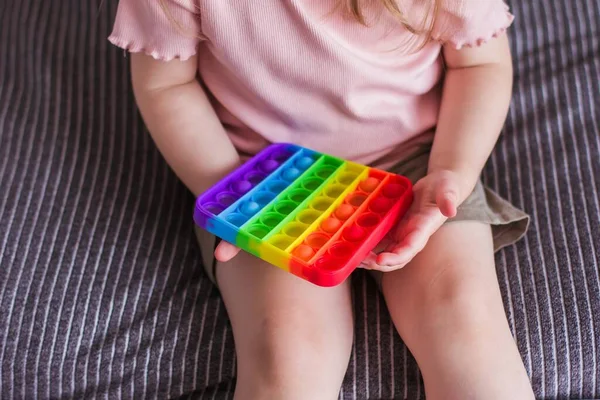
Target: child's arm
182 121
475 101
184 125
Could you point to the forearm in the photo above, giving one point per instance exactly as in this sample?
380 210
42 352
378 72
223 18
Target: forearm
186 130
474 106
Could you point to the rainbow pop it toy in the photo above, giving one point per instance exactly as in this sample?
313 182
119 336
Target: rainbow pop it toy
308 213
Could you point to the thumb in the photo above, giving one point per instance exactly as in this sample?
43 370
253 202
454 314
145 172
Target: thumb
225 251
446 197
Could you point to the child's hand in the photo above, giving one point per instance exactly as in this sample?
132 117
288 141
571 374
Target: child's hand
436 198
225 251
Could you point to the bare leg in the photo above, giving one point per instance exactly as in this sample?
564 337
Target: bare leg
446 305
293 339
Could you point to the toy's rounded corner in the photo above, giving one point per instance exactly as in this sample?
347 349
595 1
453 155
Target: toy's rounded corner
200 219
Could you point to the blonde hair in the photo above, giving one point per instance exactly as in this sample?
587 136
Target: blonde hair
355 8
421 34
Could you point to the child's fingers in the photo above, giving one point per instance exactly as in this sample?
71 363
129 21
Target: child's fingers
391 268
226 251
404 252
401 257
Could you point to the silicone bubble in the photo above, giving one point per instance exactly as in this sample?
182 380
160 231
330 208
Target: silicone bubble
250 208
311 184
254 177
281 156
304 163
369 184
331 225
236 219
226 199
268 166
342 250
368 220
393 190
334 191
324 172
344 211
316 240
214 208
276 186
294 229
321 203
308 216
241 187
285 207
354 233
356 199
330 264
380 205
291 174
281 241
263 198
258 231
304 252
271 220
347 178
299 195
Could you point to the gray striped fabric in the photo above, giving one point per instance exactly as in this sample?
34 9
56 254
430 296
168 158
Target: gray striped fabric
101 289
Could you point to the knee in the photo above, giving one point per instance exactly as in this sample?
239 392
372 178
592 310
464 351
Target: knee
454 291
452 297
291 360
280 358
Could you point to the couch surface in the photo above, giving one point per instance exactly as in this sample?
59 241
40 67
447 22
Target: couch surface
101 289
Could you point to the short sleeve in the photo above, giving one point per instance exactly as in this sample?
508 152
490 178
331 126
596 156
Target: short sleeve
165 34
470 23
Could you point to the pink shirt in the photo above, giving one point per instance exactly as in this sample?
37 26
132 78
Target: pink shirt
296 71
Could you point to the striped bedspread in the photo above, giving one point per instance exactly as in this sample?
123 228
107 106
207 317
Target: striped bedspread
101 290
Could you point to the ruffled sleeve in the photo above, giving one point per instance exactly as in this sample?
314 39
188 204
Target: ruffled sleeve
165 34
470 23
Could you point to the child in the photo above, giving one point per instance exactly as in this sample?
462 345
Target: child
419 87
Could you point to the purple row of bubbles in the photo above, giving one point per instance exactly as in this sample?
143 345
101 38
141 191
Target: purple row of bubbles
227 192
235 189
234 185
220 202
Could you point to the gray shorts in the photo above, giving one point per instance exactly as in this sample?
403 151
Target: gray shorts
508 223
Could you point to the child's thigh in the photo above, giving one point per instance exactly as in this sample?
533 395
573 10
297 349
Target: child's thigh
279 317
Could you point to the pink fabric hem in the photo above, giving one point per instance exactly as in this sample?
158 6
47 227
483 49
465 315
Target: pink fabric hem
459 44
157 55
